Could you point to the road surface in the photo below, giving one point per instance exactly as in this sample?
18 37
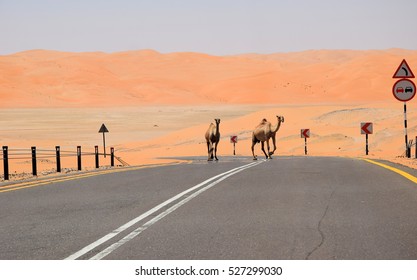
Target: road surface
285 208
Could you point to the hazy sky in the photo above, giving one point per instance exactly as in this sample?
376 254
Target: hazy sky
218 27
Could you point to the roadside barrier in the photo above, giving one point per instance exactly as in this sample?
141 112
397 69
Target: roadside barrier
34 155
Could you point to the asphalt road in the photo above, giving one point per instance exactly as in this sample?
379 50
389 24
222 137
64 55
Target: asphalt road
285 208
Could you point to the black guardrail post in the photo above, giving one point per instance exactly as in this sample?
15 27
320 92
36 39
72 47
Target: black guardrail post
112 157
410 144
96 155
416 146
34 168
6 162
58 158
79 157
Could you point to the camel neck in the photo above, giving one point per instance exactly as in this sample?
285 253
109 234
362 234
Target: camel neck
276 127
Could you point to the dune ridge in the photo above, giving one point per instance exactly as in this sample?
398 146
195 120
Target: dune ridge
53 79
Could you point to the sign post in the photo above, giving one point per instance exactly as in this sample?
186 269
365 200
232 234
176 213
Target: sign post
58 158
103 129
366 128
233 139
6 162
404 90
34 166
305 133
405 130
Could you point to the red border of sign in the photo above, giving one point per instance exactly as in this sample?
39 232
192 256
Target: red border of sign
304 131
393 92
365 127
411 72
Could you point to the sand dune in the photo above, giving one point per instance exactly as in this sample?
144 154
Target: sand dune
58 79
159 105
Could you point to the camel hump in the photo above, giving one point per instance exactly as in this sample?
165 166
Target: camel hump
262 123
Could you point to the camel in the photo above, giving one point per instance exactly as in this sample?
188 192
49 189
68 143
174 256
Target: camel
212 139
262 133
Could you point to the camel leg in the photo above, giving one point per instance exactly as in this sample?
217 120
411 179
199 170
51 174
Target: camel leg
267 146
253 150
263 148
210 151
275 146
215 150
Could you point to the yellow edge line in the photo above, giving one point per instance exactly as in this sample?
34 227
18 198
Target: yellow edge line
26 185
396 170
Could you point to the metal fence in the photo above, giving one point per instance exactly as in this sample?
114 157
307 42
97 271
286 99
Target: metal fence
33 155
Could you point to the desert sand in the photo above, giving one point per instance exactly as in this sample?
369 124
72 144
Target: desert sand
157 107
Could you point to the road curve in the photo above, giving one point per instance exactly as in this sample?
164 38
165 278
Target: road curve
284 208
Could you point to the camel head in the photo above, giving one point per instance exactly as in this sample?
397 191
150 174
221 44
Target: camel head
217 121
280 118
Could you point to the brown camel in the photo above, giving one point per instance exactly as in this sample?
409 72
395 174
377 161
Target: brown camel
262 133
212 139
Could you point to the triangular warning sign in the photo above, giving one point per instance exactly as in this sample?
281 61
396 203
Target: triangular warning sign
403 71
103 129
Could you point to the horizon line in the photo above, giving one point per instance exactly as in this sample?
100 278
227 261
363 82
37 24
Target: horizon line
196 52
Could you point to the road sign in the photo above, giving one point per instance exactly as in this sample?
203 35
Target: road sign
366 128
403 71
404 90
305 133
103 129
233 139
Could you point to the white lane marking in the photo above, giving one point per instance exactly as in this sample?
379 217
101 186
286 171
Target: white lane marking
124 227
140 229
